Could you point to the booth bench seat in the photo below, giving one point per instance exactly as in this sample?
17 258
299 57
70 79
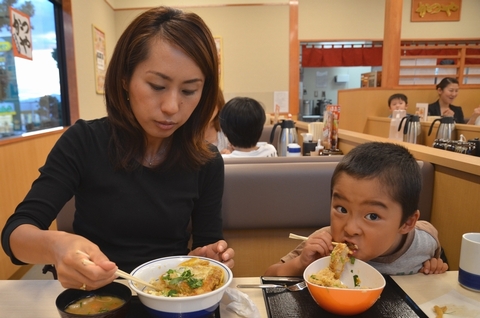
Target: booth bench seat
264 202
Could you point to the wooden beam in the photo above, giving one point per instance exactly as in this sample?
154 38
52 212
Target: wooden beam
294 60
391 43
70 61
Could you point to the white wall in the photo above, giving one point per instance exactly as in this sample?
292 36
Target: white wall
256 37
309 81
85 14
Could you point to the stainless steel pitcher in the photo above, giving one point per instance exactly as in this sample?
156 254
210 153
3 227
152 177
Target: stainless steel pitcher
288 135
412 131
446 129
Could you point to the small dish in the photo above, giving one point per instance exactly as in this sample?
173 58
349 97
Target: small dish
119 290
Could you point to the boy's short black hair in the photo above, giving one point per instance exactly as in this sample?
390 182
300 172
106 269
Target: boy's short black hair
242 120
393 165
397 96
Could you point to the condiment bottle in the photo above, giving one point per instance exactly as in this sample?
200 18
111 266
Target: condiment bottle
293 150
319 148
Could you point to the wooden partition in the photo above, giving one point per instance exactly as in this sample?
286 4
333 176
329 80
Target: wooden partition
19 163
380 126
358 104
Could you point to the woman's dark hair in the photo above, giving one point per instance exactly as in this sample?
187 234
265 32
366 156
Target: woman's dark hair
445 82
394 167
188 32
242 120
220 104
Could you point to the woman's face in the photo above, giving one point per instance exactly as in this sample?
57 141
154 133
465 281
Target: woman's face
164 90
449 93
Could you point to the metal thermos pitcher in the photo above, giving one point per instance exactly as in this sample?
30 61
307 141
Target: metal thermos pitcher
446 129
288 135
412 129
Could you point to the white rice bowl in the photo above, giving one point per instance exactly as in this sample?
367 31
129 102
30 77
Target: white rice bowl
172 307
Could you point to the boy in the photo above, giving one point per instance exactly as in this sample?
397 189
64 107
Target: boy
397 102
374 205
242 120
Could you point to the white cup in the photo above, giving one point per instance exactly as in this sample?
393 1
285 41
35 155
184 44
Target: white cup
469 268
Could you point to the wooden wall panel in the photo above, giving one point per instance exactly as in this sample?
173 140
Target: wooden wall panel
19 163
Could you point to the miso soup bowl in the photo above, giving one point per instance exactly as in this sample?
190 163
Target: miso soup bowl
197 306
346 301
119 290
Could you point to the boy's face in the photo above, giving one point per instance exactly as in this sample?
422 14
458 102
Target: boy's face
363 213
397 104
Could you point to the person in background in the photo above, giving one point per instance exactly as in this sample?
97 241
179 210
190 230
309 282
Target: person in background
397 102
475 118
242 120
140 175
214 133
447 92
374 205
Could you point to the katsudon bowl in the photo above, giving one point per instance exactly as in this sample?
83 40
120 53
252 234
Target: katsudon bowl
353 299
196 306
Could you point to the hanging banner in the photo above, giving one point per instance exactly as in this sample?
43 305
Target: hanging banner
21 34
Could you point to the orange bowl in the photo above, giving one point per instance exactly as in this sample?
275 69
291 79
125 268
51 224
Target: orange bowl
346 301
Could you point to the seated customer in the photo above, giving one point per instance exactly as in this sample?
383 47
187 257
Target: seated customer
242 120
374 205
397 102
447 92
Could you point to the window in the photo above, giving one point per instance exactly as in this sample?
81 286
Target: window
32 85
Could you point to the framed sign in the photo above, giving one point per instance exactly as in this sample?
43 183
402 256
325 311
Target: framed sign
435 10
99 58
219 44
21 34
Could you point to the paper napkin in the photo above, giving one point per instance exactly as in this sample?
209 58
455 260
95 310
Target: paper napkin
457 306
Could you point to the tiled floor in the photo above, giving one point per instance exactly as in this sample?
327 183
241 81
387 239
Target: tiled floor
36 273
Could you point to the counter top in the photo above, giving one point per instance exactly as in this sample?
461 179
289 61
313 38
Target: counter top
457 161
36 298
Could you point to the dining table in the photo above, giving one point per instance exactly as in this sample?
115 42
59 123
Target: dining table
36 298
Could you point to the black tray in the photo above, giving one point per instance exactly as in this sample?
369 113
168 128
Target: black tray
137 310
393 302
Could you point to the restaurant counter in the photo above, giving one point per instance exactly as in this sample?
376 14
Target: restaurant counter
36 298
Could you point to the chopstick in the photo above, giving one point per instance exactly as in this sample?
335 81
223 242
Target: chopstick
119 272
304 238
297 237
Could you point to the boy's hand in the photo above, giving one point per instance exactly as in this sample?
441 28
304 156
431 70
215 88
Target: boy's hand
318 245
434 266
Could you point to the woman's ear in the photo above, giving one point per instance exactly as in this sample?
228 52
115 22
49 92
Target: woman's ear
124 85
410 223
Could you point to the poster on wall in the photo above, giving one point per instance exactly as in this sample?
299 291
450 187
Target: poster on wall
99 58
435 10
218 43
21 34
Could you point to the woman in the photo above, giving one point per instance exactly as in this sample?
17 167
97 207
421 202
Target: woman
140 175
447 92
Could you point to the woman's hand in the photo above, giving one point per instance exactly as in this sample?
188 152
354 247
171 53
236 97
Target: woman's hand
434 266
448 113
474 116
218 251
73 269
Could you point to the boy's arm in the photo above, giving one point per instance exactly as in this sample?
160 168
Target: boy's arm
289 268
435 265
317 245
